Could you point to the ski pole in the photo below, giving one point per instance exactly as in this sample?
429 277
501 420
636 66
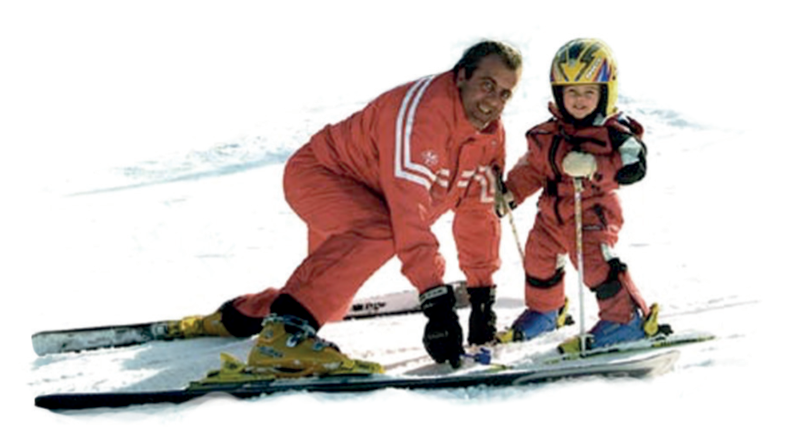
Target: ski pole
500 197
578 186
516 235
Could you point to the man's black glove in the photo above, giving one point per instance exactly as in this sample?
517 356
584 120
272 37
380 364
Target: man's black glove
482 319
443 337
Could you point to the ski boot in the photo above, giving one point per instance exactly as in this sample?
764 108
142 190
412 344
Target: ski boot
606 333
235 324
289 347
198 326
531 324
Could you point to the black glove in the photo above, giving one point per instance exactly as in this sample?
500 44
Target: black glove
443 337
482 319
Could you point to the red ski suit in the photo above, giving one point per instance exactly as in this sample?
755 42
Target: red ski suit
619 153
371 186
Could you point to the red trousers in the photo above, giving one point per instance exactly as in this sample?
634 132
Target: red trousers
349 238
550 241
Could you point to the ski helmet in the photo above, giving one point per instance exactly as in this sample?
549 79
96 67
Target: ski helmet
586 61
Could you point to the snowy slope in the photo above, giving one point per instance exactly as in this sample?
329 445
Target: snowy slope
147 145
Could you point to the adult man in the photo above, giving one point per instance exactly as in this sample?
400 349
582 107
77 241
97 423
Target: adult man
369 188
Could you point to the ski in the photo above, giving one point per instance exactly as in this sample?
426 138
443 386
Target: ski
636 364
82 339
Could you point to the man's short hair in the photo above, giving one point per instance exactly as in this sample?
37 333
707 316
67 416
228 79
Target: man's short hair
475 54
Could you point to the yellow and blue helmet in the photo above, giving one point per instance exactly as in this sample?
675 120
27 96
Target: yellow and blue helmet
586 61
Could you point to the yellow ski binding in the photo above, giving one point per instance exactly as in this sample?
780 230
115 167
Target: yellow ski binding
234 371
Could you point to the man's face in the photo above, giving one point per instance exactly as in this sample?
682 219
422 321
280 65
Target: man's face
581 100
485 94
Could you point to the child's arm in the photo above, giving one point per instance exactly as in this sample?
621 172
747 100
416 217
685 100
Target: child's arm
527 176
627 163
632 151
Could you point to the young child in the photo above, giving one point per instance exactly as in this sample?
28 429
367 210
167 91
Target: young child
589 140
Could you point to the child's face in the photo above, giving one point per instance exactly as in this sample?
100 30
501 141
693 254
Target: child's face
581 100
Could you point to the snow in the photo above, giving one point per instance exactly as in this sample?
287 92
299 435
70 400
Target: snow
144 145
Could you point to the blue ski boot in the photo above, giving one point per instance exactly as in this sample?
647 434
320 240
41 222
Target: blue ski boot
531 324
606 333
